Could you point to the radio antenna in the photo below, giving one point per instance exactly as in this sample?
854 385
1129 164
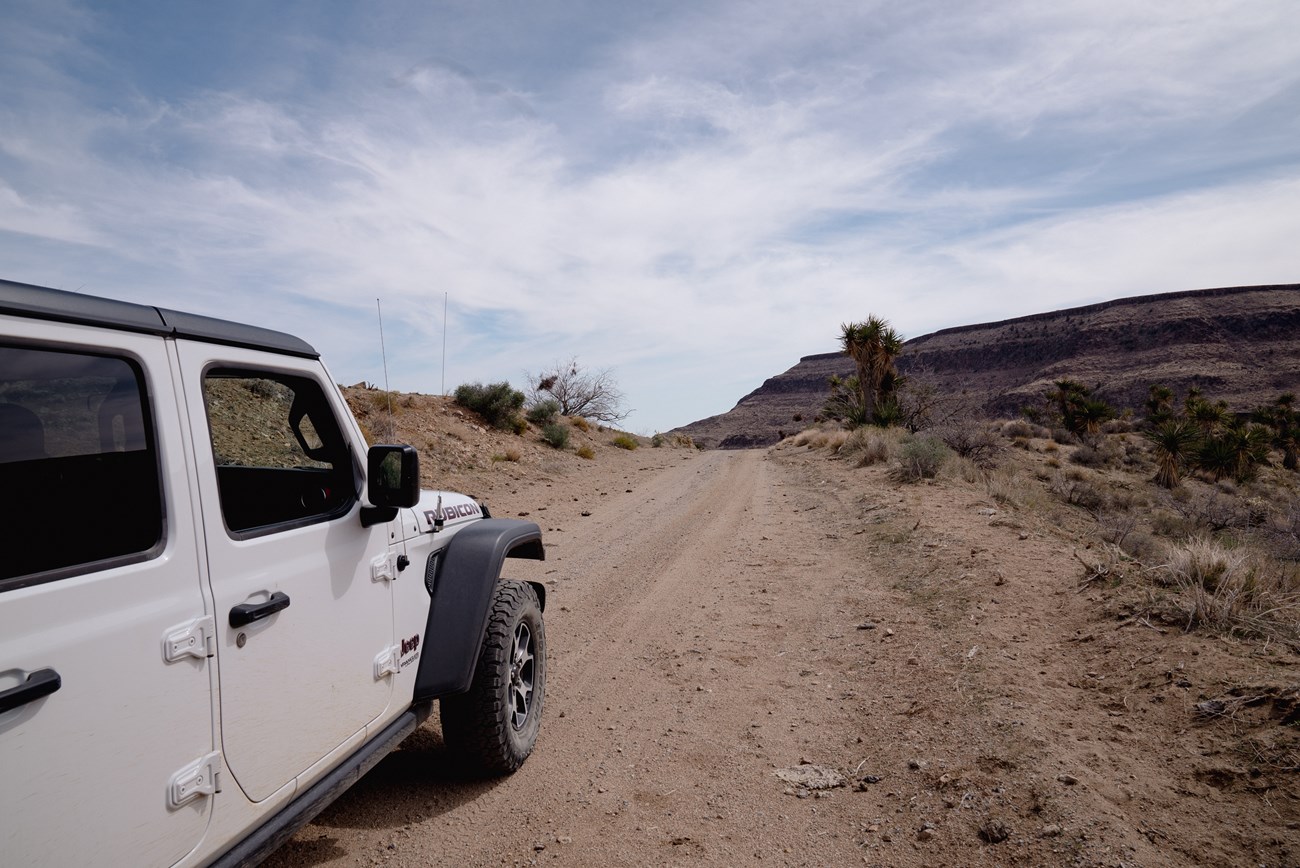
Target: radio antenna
383 353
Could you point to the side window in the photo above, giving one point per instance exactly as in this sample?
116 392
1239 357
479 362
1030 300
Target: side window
78 467
281 458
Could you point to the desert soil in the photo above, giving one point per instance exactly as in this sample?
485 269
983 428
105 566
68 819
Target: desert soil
728 631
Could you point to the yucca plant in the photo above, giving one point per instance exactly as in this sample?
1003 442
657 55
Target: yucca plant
1176 440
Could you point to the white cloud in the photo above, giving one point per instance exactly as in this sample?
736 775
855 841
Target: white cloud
698 207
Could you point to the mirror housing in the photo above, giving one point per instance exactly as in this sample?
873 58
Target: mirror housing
393 476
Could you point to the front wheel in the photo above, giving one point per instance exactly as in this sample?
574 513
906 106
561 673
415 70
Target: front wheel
493 727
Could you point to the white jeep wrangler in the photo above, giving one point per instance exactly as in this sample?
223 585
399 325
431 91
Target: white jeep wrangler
218 608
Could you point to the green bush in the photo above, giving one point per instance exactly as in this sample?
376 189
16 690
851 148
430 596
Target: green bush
920 458
497 403
544 412
556 435
625 441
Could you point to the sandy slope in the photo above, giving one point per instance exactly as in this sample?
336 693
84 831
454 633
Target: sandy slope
722 616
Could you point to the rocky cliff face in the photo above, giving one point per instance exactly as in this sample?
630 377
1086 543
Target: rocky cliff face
1241 344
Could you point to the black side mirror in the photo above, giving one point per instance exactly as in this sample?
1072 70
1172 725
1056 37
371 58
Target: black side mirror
393 476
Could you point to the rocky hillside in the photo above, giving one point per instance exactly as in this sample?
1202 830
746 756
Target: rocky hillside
1241 344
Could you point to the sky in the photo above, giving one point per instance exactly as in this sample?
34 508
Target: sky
692 194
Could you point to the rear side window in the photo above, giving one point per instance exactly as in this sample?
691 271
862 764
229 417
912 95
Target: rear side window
281 458
78 466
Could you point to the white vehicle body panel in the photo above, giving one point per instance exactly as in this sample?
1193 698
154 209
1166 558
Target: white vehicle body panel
124 718
284 705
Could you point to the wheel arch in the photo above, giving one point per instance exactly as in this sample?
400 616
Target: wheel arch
461 586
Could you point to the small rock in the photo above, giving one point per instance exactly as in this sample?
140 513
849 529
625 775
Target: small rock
886 837
866 625
1068 780
586 513
1024 535
912 661
539 847
994 832
987 511
889 631
865 780
915 764
811 777
1052 831
925 833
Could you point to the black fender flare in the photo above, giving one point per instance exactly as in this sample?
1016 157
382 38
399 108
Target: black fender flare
464 576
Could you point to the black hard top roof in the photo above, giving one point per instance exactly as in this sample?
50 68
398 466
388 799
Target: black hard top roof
40 302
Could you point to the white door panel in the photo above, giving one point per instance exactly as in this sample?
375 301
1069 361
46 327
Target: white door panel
301 681
85 771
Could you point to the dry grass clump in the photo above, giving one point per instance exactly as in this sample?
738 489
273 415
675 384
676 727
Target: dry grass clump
1233 590
821 438
1019 429
868 446
510 454
625 441
586 452
1005 485
580 423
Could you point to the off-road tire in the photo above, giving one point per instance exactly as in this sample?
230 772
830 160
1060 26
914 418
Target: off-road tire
492 728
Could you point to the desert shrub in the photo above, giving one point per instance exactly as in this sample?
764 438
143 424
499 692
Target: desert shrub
556 435
1214 511
1170 524
586 452
919 458
380 429
1017 428
380 400
867 446
1142 546
497 403
511 454
1076 489
1064 436
1087 456
580 423
1115 526
544 413
1122 425
625 441
658 440
972 442
1282 530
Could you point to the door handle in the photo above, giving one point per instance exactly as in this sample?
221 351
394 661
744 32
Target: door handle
40 683
247 613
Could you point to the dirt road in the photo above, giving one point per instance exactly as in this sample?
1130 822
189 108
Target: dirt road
720 617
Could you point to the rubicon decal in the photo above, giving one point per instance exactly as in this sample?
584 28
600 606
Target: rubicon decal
448 513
